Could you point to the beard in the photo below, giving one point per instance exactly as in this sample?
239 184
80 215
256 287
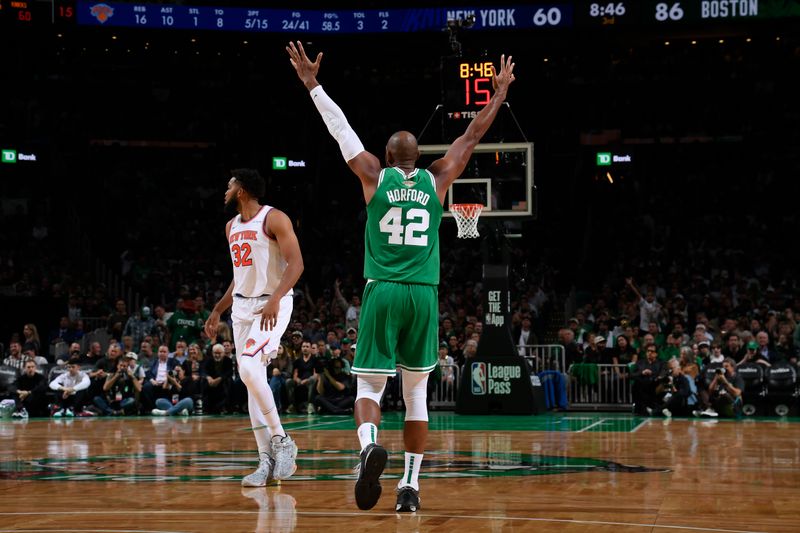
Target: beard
232 207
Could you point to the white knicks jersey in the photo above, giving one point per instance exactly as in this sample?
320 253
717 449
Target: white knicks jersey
258 265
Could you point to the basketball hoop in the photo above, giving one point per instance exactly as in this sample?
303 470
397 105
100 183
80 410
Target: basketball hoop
466 216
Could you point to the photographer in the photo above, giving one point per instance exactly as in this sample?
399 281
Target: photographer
334 394
680 392
181 389
726 390
119 390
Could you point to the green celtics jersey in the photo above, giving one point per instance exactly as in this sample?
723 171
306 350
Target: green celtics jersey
402 233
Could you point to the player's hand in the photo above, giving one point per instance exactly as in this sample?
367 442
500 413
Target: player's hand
212 322
269 314
501 81
305 68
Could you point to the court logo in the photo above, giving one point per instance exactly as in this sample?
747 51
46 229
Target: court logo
313 465
478 378
102 12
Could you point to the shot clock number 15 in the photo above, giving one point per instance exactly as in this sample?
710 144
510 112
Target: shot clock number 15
477 82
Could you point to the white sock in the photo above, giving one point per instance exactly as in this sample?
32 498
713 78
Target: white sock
411 473
367 434
259 425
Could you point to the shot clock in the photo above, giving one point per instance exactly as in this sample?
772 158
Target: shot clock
467 86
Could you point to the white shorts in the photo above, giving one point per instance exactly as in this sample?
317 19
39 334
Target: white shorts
248 337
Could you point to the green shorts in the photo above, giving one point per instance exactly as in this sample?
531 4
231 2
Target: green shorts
398 326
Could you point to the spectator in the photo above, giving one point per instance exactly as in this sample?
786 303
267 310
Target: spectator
280 371
72 386
295 348
181 390
785 350
733 347
31 342
764 349
30 354
314 332
63 333
140 325
119 390
715 356
218 371
572 351
117 319
304 380
92 356
145 354
680 392
753 355
454 350
180 354
595 352
29 392
156 384
74 350
105 366
649 309
524 336
185 323
648 370
688 362
352 334
470 351
673 348
725 391
15 358
334 390
622 356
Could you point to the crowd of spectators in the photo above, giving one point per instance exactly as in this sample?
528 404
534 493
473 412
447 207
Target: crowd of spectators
682 336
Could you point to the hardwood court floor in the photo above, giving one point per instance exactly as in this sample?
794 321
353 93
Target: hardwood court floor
570 472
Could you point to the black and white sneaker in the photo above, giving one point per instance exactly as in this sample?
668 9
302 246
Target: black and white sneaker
407 500
370 468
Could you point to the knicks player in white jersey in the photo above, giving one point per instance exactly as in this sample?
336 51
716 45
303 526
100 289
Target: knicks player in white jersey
266 264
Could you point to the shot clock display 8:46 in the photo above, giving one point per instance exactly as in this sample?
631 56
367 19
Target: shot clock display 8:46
466 86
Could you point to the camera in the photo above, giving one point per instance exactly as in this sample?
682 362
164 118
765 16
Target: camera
173 373
74 353
719 371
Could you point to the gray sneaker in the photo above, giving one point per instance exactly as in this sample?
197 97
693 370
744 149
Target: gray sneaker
284 452
262 477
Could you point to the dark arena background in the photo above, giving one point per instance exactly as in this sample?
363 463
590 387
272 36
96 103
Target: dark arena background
640 193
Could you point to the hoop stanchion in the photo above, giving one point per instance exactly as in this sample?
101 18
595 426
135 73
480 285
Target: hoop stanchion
466 216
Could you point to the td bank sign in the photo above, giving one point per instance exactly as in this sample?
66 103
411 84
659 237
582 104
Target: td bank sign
10 156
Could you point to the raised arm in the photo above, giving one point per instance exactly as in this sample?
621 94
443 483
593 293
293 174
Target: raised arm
629 282
365 165
450 167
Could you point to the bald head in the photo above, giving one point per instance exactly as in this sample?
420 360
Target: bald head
402 148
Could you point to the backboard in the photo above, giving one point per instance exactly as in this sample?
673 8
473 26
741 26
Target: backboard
498 175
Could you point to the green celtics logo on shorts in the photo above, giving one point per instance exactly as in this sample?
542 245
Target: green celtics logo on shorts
312 465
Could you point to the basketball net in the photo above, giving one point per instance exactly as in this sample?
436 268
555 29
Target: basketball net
466 216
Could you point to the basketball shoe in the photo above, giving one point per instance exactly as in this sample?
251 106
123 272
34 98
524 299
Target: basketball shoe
284 452
370 467
262 477
407 500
